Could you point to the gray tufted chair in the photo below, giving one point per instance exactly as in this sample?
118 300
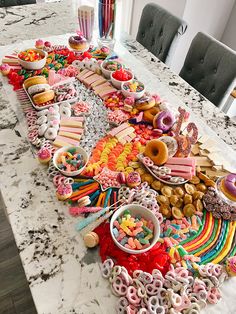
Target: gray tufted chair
9 3
158 31
210 67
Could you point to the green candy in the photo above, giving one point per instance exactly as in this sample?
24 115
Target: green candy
72 150
182 251
126 212
149 231
143 241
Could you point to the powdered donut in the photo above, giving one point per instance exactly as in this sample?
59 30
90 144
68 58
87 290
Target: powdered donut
157 151
50 134
171 144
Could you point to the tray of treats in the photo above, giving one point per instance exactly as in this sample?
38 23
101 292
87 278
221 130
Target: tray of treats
163 173
42 95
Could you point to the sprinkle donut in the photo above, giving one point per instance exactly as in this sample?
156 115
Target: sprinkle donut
164 120
157 151
133 179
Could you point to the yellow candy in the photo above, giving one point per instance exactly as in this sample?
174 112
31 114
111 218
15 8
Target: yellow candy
141 149
120 169
129 169
70 155
148 237
125 229
172 252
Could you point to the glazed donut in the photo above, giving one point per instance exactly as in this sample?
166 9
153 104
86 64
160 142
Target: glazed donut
56 108
54 116
149 114
42 129
54 124
157 151
41 98
171 144
228 186
38 88
42 113
50 134
41 120
66 104
34 81
65 112
145 103
163 120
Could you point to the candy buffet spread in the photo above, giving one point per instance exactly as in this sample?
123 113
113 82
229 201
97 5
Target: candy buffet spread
103 150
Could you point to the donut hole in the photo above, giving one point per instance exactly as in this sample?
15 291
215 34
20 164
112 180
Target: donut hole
166 120
155 151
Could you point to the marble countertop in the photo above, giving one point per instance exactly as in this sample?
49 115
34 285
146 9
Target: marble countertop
58 267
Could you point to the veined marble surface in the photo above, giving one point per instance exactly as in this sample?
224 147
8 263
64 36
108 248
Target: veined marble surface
63 275
58 267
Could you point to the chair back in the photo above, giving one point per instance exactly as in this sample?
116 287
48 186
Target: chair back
210 67
158 30
10 3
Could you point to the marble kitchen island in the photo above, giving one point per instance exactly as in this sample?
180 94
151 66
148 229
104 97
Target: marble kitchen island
64 277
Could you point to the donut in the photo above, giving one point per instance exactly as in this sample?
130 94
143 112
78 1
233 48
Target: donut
145 103
133 179
44 97
228 186
78 42
65 112
42 113
149 114
157 151
34 81
163 120
171 144
64 191
42 129
38 88
51 133
41 120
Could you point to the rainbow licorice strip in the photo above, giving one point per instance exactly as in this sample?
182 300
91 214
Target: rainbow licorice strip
214 240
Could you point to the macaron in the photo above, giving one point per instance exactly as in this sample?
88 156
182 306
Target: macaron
91 239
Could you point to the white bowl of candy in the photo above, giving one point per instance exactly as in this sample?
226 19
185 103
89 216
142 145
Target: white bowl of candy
70 160
120 76
134 88
109 66
143 222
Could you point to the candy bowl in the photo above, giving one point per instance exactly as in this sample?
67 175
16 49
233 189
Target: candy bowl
134 216
120 76
70 160
32 58
109 66
134 89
